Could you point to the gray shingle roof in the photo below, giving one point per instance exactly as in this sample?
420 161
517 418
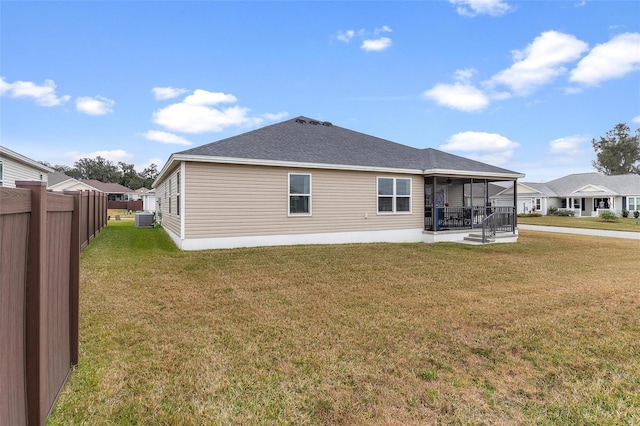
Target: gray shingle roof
304 140
617 184
55 178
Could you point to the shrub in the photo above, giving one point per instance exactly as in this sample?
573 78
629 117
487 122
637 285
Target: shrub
608 216
565 213
529 214
636 214
625 213
551 211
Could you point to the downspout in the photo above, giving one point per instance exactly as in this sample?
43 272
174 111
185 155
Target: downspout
515 205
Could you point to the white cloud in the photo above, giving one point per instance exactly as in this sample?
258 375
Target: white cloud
636 119
111 155
371 40
490 148
569 145
376 45
98 105
165 137
382 29
43 95
478 141
460 96
195 114
162 93
345 36
204 97
540 62
481 7
613 59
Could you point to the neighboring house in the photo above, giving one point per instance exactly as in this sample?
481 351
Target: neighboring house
149 200
15 167
114 191
61 182
304 181
586 194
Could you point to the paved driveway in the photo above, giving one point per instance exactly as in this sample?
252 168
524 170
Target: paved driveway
582 231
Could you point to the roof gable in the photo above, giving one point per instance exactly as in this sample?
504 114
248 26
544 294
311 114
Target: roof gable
107 187
610 185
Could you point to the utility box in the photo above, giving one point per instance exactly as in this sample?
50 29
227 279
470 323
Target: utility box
144 220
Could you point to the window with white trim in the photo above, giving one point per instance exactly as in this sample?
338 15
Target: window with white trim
299 194
538 204
178 193
0 172
394 195
633 203
169 195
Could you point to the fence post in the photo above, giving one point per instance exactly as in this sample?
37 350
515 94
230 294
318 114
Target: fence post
74 276
35 295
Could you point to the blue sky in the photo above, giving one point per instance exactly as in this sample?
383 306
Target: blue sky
524 85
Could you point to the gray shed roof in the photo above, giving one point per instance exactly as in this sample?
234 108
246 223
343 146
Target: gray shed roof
305 140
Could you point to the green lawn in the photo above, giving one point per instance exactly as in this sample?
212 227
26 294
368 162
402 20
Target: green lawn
545 332
628 224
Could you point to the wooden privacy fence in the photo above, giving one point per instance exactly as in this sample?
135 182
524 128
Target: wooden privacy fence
126 205
41 236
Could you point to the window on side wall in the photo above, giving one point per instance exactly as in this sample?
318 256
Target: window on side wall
169 195
299 194
1 173
178 194
394 195
634 203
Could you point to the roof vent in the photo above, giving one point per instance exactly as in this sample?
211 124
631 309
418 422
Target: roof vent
327 123
301 121
314 122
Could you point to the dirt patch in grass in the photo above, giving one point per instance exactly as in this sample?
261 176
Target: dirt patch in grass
545 331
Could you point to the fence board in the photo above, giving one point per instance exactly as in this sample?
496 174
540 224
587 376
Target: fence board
12 201
13 229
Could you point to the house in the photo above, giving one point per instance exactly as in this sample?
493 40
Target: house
149 201
61 182
586 194
16 167
305 181
114 191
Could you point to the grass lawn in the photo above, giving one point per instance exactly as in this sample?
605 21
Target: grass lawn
545 331
628 224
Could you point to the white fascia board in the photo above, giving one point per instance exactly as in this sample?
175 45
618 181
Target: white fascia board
25 160
466 173
280 163
298 165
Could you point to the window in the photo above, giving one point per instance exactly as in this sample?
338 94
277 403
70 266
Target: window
169 195
576 203
0 172
299 194
538 204
178 194
394 195
634 203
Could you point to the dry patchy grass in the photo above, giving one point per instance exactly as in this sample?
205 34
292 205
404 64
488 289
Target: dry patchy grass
545 331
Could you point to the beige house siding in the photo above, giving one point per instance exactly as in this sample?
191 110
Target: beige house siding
168 194
226 200
13 171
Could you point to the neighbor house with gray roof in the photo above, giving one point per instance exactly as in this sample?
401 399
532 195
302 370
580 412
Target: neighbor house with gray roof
306 181
16 167
586 194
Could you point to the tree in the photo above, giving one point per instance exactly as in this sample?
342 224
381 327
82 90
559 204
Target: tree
98 169
129 177
149 175
619 152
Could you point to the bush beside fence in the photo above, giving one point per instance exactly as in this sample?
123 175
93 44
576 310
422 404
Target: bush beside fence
41 236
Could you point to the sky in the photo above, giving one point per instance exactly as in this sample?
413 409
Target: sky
523 85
